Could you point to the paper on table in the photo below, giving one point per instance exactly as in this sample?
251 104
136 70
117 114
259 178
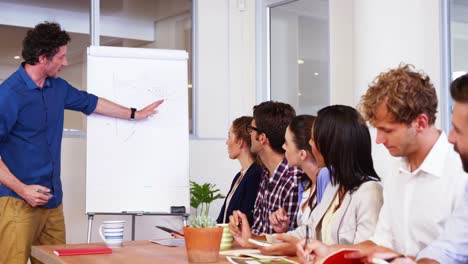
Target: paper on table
239 252
172 242
254 253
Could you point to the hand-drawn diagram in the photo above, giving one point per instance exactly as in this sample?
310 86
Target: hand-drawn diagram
143 86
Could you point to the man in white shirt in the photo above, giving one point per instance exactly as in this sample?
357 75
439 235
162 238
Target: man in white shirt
427 186
452 246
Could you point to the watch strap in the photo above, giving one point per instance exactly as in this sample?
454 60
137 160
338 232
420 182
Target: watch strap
132 114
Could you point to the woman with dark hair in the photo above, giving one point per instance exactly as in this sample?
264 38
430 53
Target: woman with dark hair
351 204
298 152
244 187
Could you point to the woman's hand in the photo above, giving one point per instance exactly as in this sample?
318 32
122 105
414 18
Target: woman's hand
312 252
240 229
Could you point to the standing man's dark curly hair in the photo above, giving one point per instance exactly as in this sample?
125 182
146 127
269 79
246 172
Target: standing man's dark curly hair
45 39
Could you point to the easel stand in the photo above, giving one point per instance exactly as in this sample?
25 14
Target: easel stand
133 214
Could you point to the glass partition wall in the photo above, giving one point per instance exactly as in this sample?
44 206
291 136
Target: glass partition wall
459 37
298 43
454 50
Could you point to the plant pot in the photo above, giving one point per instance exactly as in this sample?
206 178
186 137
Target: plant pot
202 244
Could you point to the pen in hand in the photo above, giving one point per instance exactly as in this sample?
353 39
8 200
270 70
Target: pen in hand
45 193
239 221
394 258
385 260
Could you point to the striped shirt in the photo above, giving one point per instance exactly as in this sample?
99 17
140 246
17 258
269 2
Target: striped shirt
279 190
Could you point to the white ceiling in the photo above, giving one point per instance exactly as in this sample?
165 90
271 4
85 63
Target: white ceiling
107 6
12 36
11 46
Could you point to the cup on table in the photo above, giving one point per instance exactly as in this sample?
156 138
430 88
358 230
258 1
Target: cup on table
226 239
112 233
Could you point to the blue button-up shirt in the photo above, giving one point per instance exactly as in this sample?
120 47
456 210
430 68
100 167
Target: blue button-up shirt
452 246
31 127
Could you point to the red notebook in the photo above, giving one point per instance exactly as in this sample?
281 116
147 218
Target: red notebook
82 251
338 257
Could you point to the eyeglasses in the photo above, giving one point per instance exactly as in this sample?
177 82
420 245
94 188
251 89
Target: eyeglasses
251 128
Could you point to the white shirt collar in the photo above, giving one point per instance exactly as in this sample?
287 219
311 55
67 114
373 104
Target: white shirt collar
432 163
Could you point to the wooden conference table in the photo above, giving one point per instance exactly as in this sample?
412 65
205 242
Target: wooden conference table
137 252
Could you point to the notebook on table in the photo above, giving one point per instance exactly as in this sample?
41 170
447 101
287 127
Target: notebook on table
82 251
338 257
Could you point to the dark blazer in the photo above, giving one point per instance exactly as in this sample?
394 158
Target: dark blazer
246 193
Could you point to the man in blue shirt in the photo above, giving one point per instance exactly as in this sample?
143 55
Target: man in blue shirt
32 103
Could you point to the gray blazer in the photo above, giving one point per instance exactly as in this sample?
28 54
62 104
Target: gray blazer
356 218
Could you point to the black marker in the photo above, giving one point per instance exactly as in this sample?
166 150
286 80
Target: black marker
45 193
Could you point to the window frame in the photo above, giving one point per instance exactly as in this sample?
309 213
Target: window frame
445 100
263 46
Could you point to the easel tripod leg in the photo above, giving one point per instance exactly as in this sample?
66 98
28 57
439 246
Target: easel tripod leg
90 226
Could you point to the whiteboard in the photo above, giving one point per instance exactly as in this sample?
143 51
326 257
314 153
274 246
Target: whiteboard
138 165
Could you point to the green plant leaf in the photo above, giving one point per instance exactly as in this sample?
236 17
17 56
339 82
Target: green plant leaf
201 197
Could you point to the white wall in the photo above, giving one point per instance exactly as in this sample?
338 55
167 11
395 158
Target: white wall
73 182
341 52
387 33
212 68
6 71
225 88
209 162
74 74
370 36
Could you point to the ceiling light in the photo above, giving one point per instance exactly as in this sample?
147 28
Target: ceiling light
316 73
300 61
16 57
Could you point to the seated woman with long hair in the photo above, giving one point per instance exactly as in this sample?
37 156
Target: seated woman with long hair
350 206
298 152
244 187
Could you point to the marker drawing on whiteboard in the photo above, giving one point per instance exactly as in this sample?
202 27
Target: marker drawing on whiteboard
129 136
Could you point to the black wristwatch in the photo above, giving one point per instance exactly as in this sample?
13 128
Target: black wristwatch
132 114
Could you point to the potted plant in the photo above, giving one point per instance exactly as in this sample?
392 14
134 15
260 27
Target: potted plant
202 237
